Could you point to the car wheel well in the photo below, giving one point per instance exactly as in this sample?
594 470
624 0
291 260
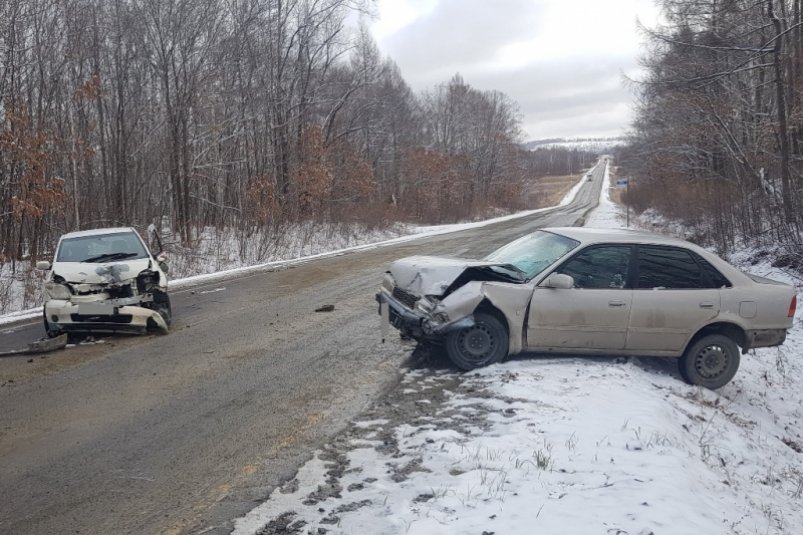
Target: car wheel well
732 331
488 307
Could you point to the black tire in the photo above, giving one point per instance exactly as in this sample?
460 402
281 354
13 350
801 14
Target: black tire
161 304
165 310
50 330
484 343
710 361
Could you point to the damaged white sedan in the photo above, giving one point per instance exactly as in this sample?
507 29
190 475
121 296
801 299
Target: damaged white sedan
105 280
590 291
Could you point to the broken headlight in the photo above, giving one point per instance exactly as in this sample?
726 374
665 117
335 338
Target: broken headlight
427 304
147 280
55 290
441 317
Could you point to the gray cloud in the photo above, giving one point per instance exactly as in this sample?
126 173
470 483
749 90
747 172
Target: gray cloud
456 35
580 95
558 104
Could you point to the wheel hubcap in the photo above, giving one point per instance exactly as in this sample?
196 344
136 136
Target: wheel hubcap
477 342
711 361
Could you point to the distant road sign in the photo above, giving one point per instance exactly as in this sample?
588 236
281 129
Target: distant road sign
621 182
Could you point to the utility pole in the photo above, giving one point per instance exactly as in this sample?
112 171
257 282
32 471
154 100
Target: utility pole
627 203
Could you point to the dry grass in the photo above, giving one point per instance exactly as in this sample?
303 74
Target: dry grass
549 190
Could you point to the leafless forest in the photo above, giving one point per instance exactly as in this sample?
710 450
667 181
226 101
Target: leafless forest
248 115
719 131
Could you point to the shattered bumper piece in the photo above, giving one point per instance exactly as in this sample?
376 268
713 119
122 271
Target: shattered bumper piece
413 322
102 316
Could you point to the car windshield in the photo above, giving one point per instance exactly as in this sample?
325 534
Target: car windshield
101 248
533 253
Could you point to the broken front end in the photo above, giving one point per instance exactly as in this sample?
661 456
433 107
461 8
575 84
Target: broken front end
426 298
107 301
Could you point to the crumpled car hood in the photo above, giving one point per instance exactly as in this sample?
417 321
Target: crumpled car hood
431 275
100 273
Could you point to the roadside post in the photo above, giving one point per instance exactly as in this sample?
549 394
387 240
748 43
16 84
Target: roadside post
626 183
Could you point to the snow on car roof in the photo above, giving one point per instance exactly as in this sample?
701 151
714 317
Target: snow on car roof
97 232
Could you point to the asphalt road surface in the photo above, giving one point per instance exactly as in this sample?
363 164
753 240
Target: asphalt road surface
185 432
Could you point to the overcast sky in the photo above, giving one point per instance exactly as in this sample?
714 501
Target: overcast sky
562 61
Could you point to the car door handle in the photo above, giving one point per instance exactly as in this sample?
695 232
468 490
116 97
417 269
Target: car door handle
706 304
616 303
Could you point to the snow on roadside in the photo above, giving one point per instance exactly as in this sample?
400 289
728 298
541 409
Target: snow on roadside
563 445
414 233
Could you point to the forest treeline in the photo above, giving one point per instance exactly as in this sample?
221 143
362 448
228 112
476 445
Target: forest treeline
719 129
249 115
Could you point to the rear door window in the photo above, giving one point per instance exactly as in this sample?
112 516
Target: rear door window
670 268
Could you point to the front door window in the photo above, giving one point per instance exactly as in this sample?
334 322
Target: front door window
593 314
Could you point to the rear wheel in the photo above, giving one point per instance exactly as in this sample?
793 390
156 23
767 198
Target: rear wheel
711 361
484 343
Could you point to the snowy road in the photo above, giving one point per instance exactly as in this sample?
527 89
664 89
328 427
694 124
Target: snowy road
182 433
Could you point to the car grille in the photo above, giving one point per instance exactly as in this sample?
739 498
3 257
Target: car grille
87 318
121 291
406 298
93 291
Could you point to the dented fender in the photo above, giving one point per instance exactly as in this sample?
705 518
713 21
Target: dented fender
462 302
511 300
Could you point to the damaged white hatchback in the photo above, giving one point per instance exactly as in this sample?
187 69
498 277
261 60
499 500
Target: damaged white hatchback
590 291
105 280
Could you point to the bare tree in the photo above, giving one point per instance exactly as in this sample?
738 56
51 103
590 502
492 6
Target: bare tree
717 135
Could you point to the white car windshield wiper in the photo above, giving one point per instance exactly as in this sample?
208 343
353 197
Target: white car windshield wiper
107 257
511 269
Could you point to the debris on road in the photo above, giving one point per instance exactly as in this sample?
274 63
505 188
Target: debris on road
325 308
43 345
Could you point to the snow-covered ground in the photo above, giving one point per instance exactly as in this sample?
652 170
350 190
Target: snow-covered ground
564 446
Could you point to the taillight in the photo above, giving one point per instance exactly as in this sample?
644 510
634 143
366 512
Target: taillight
792 307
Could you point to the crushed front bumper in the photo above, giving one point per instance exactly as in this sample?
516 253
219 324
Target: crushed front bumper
414 323
102 316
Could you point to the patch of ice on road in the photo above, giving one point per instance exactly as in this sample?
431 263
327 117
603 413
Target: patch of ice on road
371 423
212 291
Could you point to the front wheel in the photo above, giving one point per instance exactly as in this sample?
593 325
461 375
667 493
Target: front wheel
484 343
161 304
166 311
51 330
711 361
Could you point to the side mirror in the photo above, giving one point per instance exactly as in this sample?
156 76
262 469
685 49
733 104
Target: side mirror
559 281
43 265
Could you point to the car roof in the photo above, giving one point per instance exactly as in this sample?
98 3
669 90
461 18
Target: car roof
97 232
587 235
